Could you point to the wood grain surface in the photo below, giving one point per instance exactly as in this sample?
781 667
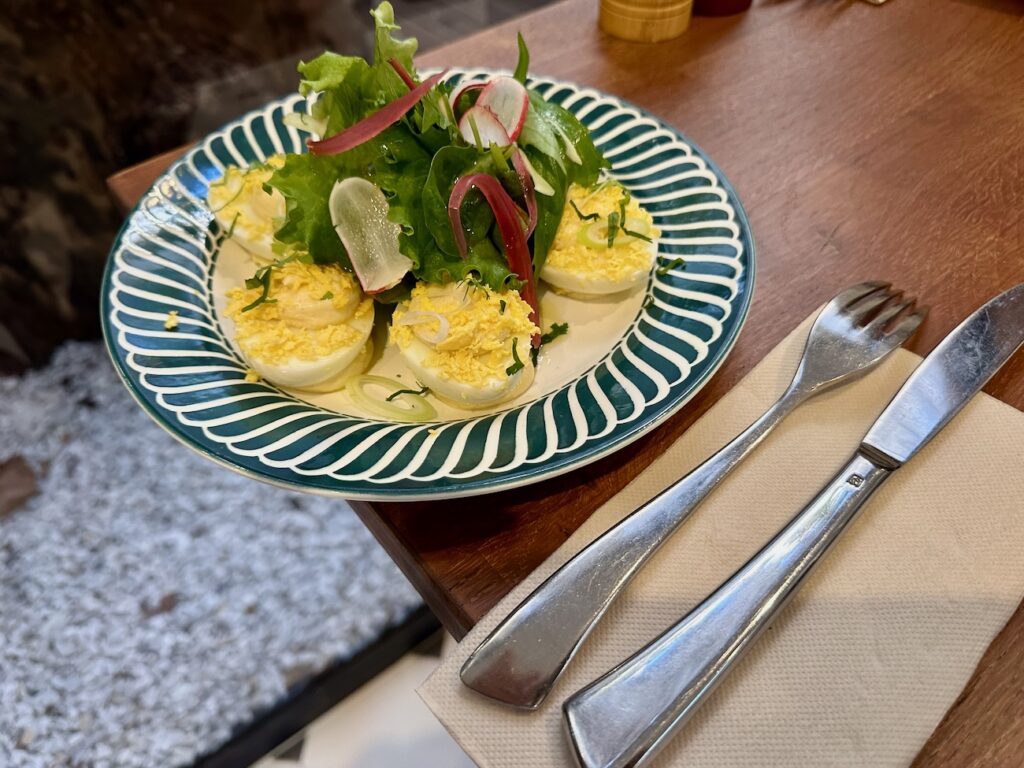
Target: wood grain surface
865 143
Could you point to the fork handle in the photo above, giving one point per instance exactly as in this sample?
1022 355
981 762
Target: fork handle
622 719
518 663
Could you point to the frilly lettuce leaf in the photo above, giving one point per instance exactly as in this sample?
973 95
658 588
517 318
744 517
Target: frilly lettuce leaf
386 45
382 84
306 182
339 81
401 173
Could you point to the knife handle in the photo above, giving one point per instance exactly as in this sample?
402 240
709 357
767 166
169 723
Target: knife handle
624 718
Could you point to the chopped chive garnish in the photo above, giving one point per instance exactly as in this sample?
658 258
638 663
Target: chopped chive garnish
557 329
623 202
613 227
260 280
232 199
517 364
231 229
420 391
637 235
581 215
677 262
327 296
501 306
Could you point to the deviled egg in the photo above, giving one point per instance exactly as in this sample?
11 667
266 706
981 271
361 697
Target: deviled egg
469 345
242 207
310 331
605 243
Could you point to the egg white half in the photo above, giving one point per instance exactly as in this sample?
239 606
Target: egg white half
327 372
242 207
462 395
584 283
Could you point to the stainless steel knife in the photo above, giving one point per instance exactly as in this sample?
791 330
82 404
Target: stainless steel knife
622 719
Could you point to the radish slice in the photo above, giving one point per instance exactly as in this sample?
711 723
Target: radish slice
402 73
488 128
522 170
508 100
359 213
371 126
462 90
506 213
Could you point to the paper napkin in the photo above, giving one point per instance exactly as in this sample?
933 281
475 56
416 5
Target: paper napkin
863 664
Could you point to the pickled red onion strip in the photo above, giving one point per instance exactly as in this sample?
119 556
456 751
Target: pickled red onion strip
506 214
402 73
376 123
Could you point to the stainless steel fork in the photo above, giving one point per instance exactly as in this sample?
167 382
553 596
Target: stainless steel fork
520 660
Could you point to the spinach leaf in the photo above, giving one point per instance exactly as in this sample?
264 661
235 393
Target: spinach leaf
549 207
548 126
449 164
484 261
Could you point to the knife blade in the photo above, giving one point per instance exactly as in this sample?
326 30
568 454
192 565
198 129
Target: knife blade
953 373
623 719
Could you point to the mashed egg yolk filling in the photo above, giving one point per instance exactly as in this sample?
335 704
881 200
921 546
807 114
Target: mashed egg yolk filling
481 325
239 199
623 259
307 316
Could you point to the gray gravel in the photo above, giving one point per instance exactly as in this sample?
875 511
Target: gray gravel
150 601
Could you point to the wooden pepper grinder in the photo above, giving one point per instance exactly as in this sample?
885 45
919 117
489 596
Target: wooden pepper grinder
646 21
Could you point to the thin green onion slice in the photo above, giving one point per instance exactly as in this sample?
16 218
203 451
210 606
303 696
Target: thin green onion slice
405 406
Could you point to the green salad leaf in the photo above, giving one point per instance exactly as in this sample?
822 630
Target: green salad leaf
402 181
306 181
523 65
549 207
382 83
339 81
417 161
448 165
549 127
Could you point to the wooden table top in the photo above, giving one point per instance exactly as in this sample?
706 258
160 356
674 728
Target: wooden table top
865 143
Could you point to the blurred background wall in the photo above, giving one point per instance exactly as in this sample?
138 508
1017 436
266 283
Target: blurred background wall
88 87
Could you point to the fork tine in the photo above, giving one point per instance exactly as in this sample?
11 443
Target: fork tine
864 309
879 321
906 327
849 295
